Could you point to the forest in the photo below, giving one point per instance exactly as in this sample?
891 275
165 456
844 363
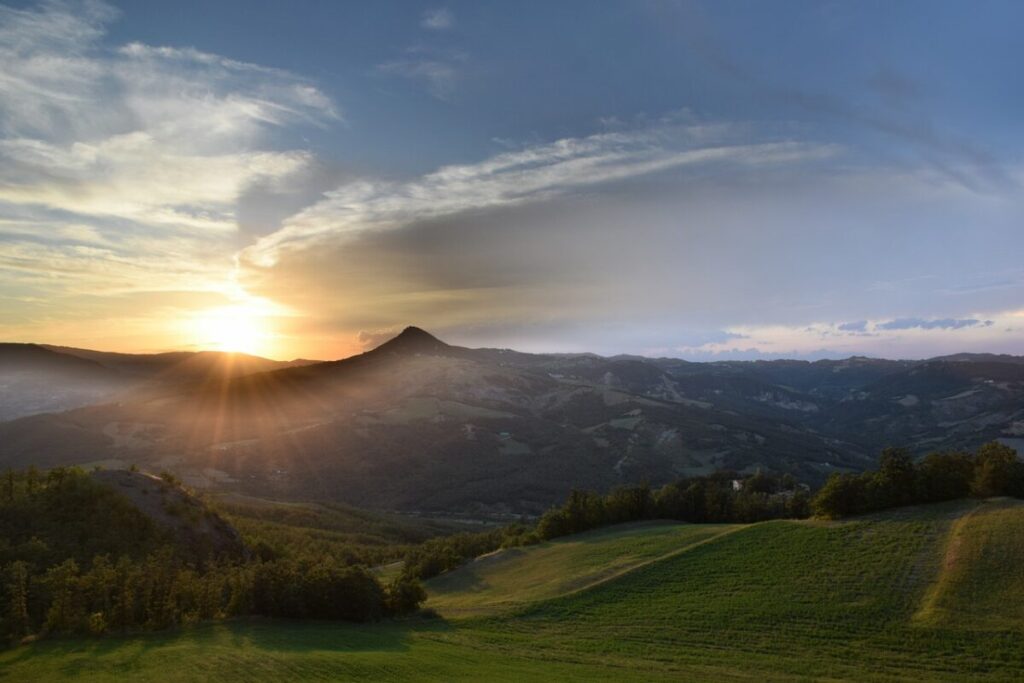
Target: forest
77 557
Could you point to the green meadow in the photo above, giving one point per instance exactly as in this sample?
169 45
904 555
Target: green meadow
923 593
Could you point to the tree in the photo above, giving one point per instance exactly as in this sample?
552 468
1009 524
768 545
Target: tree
629 503
66 611
799 505
944 476
997 472
841 496
122 614
552 524
760 482
893 483
17 596
405 595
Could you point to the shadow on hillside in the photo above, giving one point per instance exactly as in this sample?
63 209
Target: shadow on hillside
124 653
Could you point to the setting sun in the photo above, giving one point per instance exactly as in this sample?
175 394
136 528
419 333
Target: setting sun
242 329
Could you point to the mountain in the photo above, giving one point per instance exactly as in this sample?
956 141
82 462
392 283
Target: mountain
420 425
180 366
34 379
38 378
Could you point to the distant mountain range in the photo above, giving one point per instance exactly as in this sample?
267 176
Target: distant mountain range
419 425
38 378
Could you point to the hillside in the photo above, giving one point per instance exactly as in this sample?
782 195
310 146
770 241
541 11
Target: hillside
40 378
34 379
981 581
511 578
69 514
776 601
420 425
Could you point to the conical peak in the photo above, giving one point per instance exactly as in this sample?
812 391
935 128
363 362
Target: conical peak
413 340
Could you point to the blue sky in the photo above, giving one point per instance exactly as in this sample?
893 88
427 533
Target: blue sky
705 180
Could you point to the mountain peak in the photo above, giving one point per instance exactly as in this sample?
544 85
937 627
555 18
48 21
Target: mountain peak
413 340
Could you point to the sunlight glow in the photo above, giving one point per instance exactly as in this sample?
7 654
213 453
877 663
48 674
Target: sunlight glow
241 328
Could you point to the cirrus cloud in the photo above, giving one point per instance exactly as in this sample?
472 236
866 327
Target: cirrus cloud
529 175
121 166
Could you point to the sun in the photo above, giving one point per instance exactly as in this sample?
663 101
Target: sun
241 329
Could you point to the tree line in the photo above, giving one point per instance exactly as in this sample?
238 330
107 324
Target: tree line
993 470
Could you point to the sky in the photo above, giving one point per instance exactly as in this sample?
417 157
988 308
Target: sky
703 180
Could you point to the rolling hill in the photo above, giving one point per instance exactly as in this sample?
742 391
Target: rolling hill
885 597
34 379
417 424
40 378
420 425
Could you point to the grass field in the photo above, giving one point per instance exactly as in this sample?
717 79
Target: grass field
930 593
508 579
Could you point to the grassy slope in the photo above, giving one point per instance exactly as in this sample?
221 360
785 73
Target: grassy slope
804 599
773 601
981 582
511 578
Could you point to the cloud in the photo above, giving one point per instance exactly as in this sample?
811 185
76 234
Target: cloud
121 167
440 19
156 135
528 175
858 326
939 324
641 239
370 340
698 340
898 338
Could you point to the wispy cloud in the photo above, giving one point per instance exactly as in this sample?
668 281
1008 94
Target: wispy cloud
527 175
439 19
896 338
157 135
121 168
936 324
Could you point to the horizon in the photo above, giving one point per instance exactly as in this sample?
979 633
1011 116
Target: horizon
397 333
721 181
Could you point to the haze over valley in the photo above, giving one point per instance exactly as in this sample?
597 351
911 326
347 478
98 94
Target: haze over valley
420 425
